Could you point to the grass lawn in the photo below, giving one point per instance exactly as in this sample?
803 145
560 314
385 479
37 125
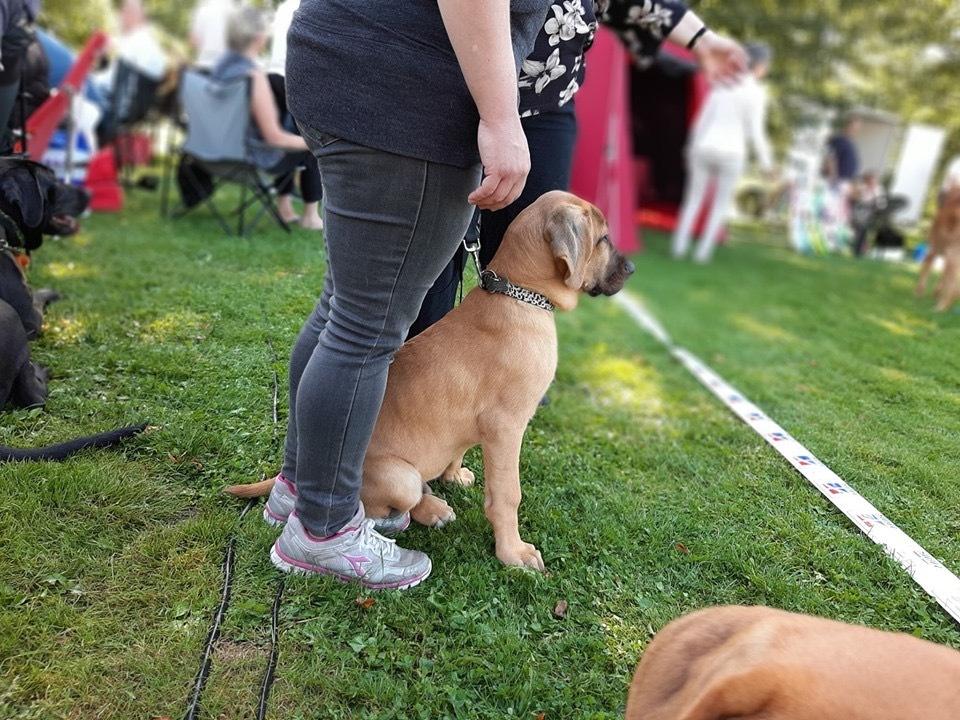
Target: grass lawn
645 496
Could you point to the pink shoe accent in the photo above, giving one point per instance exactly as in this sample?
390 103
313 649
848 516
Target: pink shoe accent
317 538
278 518
281 479
357 562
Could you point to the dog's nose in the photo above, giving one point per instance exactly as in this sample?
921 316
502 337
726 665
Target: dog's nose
629 268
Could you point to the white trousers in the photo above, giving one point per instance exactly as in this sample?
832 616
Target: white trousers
703 169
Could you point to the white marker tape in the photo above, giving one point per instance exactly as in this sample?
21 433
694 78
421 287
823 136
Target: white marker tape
928 572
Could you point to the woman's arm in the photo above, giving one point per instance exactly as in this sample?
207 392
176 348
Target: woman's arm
758 130
722 59
266 114
480 35
644 25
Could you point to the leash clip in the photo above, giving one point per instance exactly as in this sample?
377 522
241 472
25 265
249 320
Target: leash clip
472 246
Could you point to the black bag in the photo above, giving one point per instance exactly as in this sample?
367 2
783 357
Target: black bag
195 183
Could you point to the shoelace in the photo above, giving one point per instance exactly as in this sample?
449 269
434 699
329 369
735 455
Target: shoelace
386 547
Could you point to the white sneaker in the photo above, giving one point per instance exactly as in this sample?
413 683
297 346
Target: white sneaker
283 501
356 553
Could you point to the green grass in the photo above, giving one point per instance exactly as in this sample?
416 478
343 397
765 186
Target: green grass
111 562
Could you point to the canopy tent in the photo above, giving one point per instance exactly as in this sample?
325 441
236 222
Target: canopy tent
634 124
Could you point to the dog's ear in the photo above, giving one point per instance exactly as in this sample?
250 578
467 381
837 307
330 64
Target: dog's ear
567 227
21 189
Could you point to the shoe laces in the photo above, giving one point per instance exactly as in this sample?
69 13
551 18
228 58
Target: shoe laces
383 546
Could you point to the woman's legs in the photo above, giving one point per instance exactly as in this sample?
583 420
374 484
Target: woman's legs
311 189
550 137
727 175
391 223
698 181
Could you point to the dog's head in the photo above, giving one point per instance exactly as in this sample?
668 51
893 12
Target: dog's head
37 203
579 238
560 246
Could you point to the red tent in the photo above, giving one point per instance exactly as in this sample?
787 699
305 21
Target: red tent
634 125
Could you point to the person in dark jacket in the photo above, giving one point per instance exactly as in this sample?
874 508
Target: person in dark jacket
16 34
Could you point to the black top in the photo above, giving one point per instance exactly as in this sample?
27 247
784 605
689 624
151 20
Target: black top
382 73
846 155
554 71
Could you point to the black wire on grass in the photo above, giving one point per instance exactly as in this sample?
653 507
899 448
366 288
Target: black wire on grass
268 676
206 659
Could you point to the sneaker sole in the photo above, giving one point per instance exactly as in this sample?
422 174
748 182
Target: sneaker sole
288 566
273 519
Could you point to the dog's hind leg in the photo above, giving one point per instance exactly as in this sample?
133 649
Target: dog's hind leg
390 485
457 474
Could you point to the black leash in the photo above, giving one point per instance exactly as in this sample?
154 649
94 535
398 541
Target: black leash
206 659
490 281
269 676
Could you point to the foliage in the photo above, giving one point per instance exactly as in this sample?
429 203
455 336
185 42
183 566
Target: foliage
895 56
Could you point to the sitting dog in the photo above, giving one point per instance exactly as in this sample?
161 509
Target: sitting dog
477 376
945 243
755 663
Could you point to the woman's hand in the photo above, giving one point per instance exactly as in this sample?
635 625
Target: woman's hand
723 60
480 35
506 162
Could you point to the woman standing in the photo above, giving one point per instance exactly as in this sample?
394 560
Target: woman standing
732 118
551 76
401 103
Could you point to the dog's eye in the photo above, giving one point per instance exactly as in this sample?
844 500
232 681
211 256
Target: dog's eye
605 238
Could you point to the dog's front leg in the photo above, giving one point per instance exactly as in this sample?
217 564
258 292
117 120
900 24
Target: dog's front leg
501 469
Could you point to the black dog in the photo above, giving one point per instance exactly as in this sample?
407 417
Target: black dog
33 203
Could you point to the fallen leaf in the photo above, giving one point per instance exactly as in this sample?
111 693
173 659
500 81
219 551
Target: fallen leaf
560 611
540 715
364 602
682 548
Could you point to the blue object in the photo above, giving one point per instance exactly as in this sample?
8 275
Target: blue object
920 252
61 59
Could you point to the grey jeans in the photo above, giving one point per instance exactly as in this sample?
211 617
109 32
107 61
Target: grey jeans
392 224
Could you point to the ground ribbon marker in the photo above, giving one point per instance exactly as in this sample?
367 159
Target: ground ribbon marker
928 572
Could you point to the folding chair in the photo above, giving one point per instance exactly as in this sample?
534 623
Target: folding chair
218 118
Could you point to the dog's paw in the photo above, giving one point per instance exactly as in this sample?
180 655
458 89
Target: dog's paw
522 555
433 511
461 476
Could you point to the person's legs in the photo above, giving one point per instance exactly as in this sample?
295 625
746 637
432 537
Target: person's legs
727 175
391 223
311 189
698 181
550 137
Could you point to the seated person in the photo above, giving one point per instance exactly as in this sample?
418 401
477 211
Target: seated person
269 146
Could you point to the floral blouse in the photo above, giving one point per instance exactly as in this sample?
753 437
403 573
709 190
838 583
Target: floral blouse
554 71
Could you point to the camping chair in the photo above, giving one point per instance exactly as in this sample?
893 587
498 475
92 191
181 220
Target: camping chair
218 118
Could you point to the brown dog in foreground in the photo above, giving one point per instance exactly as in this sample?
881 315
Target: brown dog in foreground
945 243
755 663
478 375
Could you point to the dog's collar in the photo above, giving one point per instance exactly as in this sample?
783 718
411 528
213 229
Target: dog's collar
493 283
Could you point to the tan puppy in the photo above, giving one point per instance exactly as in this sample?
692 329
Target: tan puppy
477 376
945 243
754 663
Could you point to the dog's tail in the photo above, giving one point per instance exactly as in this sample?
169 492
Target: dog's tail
72 447
251 490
